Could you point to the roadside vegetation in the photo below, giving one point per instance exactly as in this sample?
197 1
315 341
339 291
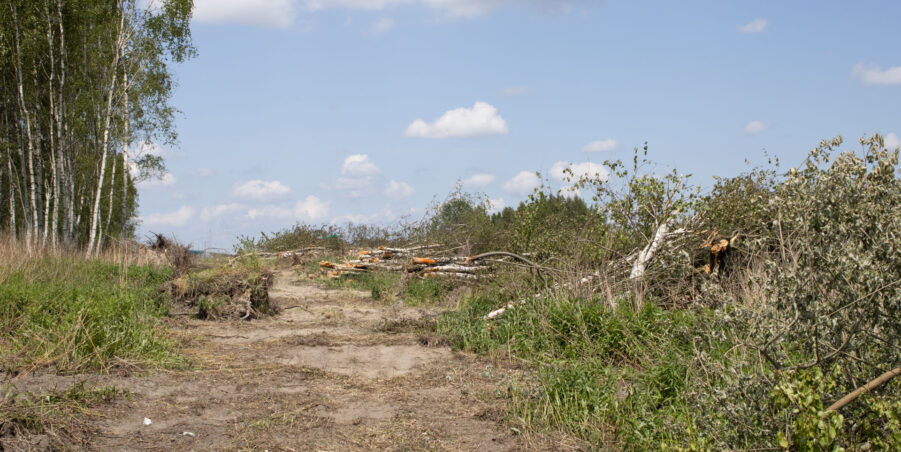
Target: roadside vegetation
762 313
73 314
67 314
637 338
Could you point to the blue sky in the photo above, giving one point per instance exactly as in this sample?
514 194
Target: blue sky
325 111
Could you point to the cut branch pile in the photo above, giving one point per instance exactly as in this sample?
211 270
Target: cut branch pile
407 260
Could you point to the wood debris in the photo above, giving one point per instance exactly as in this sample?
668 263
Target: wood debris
407 260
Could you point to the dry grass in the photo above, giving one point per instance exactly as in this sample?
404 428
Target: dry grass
16 256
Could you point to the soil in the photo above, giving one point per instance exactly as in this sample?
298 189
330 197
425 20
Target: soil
334 371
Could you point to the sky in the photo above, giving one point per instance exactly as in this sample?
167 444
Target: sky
369 111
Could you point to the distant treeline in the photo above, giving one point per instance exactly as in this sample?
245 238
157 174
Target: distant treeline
84 90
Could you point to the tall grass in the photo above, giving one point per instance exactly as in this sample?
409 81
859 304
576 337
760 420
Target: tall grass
609 375
70 313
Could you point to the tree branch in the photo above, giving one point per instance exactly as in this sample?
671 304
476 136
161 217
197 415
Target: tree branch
879 381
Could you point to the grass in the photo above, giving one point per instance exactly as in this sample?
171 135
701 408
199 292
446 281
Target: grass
611 376
389 286
54 412
76 314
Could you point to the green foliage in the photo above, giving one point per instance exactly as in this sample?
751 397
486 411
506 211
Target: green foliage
637 200
841 232
549 225
388 286
426 291
461 221
799 401
336 239
82 314
82 81
603 374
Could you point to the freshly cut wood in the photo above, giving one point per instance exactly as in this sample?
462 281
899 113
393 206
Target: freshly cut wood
424 260
327 264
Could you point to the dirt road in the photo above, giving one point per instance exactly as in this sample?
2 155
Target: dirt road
334 371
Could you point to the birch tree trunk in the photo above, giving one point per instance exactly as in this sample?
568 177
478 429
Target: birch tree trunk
126 143
95 210
30 217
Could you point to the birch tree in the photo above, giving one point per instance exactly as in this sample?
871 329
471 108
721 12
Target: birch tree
81 80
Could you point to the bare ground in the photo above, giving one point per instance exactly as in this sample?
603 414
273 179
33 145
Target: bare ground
332 372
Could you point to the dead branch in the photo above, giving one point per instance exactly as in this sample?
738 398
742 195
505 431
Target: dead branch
879 381
509 254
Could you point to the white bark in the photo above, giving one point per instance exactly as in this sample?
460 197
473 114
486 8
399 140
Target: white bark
645 255
12 196
125 143
95 210
31 226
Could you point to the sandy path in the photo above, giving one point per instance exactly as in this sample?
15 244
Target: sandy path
330 373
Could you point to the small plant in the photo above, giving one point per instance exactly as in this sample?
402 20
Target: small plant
799 401
424 291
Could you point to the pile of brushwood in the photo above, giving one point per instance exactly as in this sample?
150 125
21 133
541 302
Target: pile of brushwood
423 261
233 289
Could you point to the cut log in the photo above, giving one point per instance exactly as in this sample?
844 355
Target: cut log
451 275
456 268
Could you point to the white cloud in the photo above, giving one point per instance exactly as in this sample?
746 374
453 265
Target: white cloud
464 8
257 189
478 180
496 205
755 127
516 90
522 183
359 165
177 218
382 25
754 26
261 13
166 180
579 170
208 213
871 74
398 190
892 141
480 120
269 211
311 209
600 145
